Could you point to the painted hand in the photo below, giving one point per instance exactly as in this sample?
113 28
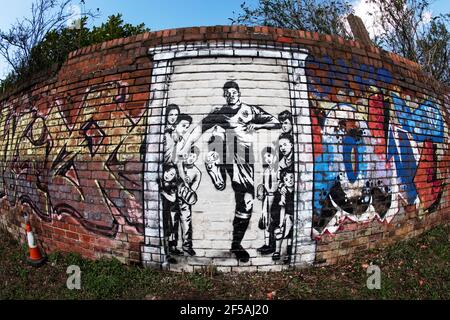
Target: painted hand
250 127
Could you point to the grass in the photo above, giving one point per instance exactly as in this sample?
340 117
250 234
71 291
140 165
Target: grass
413 269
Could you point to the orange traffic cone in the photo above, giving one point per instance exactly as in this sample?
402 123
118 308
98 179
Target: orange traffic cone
35 259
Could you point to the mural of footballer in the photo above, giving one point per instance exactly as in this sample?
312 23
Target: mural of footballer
240 121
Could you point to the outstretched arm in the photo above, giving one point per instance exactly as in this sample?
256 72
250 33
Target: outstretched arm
196 182
195 134
263 120
181 170
268 126
208 122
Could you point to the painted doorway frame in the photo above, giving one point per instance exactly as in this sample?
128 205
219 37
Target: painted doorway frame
153 250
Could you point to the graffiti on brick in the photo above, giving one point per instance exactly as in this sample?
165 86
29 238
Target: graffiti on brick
372 155
77 158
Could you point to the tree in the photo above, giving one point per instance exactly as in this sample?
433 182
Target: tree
435 47
327 16
46 39
408 29
115 28
17 43
57 44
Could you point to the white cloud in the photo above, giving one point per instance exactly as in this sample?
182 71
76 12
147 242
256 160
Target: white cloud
426 17
369 15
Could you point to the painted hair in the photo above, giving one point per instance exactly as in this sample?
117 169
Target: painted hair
168 166
285 171
185 117
285 115
171 107
196 150
231 85
287 136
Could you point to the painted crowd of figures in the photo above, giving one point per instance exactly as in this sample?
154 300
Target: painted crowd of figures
230 152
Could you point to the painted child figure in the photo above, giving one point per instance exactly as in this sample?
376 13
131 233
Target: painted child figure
177 125
172 113
285 118
286 143
283 231
266 192
168 189
190 178
174 138
286 148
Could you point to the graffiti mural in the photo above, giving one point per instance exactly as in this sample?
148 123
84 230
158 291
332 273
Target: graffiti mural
229 155
372 156
234 154
67 157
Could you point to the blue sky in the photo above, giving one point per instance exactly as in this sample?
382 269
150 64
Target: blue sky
156 14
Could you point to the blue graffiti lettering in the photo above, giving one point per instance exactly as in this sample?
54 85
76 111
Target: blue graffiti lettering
425 122
405 164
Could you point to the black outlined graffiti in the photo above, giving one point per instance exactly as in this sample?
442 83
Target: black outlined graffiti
44 163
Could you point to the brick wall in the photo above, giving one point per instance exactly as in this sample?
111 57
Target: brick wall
85 150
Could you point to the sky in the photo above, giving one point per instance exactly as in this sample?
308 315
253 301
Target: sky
166 14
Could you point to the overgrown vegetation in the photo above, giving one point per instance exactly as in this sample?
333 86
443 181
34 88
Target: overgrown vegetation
413 269
409 28
325 16
28 54
406 27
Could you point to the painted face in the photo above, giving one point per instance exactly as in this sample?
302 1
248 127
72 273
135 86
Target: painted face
191 158
286 126
169 175
285 147
269 158
172 116
182 127
289 180
232 96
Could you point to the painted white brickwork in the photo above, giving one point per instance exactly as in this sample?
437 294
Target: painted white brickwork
192 77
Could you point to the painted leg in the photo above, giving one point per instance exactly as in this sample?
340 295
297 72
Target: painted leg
186 228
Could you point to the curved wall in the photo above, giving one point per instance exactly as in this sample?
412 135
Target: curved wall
290 148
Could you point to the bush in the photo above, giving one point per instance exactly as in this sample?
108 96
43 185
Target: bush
57 44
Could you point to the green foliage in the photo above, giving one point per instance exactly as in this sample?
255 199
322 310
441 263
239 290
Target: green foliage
57 44
115 28
310 15
404 30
